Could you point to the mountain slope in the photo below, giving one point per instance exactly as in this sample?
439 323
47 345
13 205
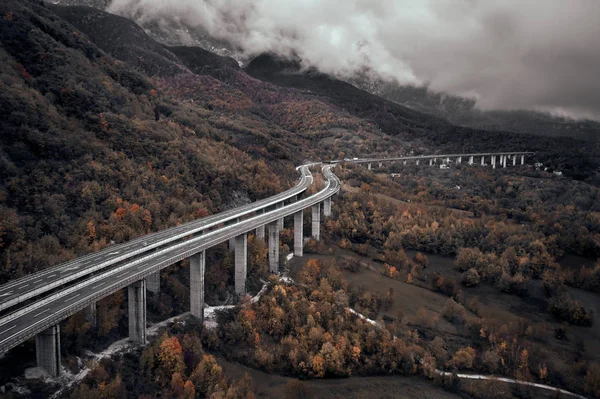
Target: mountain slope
88 155
464 112
576 158
98 147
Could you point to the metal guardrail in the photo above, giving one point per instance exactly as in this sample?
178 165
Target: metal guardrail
204 242
190 228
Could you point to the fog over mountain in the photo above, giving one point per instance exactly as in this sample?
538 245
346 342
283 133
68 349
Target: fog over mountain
507 54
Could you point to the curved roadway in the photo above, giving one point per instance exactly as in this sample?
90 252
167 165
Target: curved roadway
22 289
132 261
28 322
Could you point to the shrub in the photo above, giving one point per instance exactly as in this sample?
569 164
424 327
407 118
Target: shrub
570 310
468 258
453 311
470 278
463 358
421 259
513 285
390 271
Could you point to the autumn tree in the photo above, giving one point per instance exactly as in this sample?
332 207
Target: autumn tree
463 358
470 278
170 358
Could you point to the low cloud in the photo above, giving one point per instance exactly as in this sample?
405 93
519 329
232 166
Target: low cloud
509 54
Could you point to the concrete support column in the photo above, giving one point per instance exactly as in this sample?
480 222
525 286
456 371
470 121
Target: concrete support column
280 221
153 283
197 267
471 160
459 160
447 159
47 350
231 244
369 166
504 161
327 207
522 159
404 162
136 297
482 160
274 247
493 161
417 162
514 160
91 314
316 221
430 162
298 233
380 163
241 263
260 232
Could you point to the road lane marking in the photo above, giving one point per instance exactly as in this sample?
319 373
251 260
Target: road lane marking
114 253
10 328
42 312
98 285
71 298
6 294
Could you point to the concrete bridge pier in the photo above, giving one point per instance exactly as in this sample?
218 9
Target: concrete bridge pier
471 160
274 247
197 267
459 160
231 244
523 159
327 207
260 232
136 298
91 314
504 161
369 166
514 157
241 263
47 350
417 162
153 283
493 161
380 163
280 221
298 233
482 160
316 221
404 162
430 162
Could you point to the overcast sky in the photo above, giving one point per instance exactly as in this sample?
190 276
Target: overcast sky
509 54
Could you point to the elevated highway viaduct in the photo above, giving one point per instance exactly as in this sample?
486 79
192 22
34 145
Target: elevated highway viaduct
45 298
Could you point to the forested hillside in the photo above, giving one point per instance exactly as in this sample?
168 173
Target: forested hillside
98 147
576 158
